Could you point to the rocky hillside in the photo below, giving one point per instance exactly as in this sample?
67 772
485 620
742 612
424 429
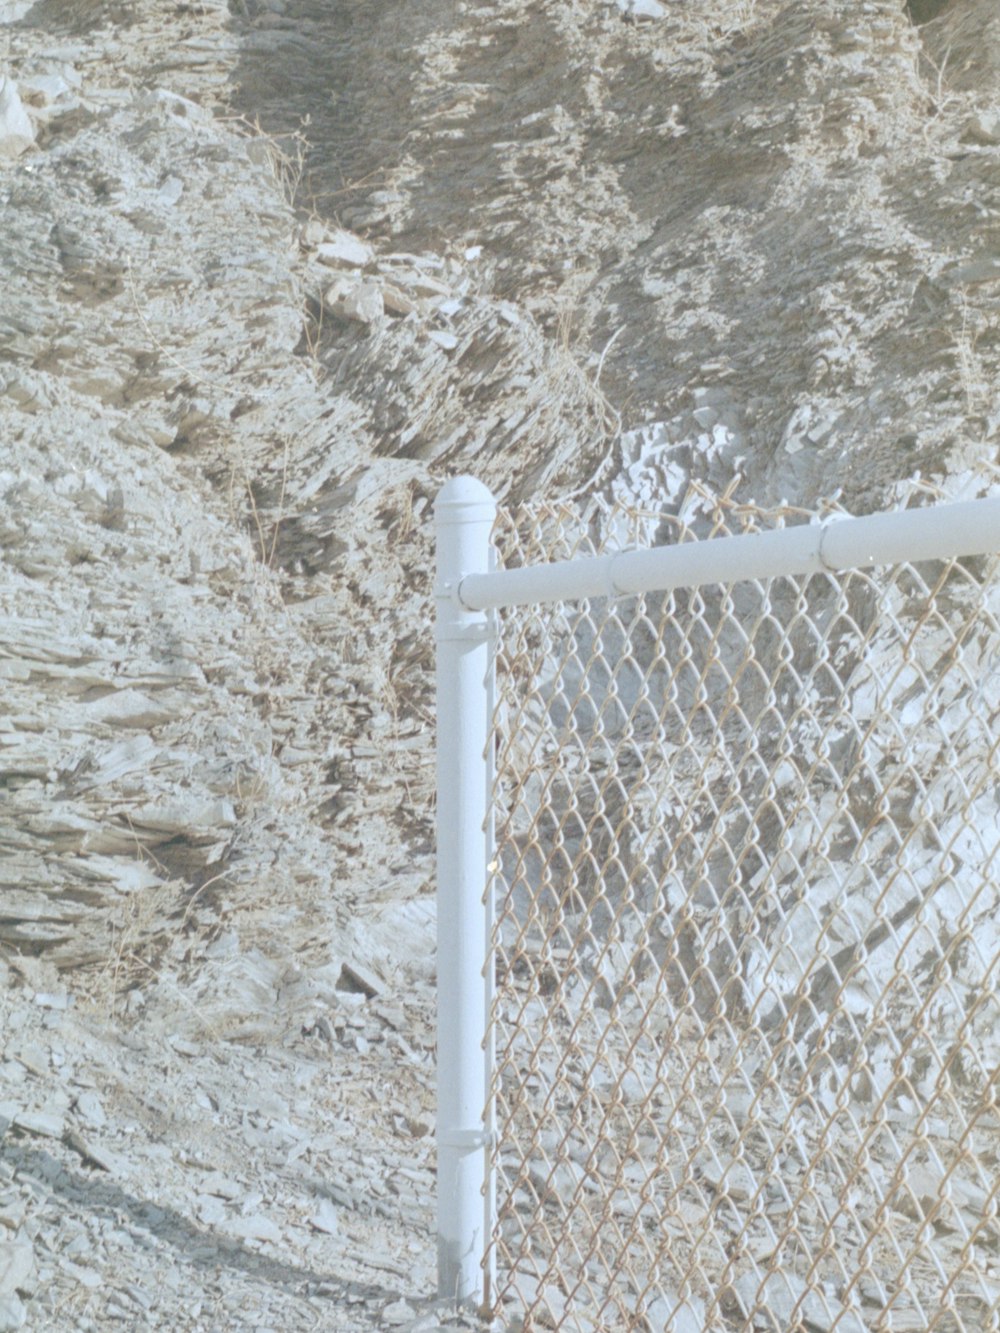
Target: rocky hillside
270 271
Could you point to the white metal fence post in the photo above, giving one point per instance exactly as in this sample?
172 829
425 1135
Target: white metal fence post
464 515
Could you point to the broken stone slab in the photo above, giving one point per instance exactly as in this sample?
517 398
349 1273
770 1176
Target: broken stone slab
31 395
344 250
170 191
324 1218
43 1124
397 302
194 816
43 90
556 1184
211 1211
86 1277
12 11
984 126
546 1304
640 9
221 1186
361 302
17 1260
40 641
34 906
397 1313
254 1227
422 284
17 133
677 1315
360 978
90 1109
810 424
423 262
12 1212
184 1047
129 708
180 109
734 1179
984 268
787 1301
125 877
13 1314
313 232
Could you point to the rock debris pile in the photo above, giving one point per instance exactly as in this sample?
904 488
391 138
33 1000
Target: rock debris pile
268 273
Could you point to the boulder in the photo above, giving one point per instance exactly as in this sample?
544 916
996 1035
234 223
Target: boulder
16 130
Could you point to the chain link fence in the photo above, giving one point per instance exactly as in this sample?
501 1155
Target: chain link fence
746 1019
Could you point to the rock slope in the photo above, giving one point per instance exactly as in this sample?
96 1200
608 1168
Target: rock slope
270 271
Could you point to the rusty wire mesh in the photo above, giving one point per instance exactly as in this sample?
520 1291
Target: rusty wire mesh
747 935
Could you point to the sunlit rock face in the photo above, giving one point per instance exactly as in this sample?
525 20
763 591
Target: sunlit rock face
268 273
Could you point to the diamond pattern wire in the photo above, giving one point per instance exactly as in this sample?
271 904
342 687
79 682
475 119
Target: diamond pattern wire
747 944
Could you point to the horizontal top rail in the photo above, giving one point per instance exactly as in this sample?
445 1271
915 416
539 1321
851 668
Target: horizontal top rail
967 527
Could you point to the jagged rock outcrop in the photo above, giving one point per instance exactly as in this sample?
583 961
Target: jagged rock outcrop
270 272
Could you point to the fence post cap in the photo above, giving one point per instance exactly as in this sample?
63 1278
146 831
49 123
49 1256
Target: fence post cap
465 494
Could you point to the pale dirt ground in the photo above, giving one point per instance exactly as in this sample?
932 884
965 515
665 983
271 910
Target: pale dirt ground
215 489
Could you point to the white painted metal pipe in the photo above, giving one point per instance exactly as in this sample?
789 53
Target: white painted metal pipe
969 527
464 516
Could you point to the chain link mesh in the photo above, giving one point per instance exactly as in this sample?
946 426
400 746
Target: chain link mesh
746 944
